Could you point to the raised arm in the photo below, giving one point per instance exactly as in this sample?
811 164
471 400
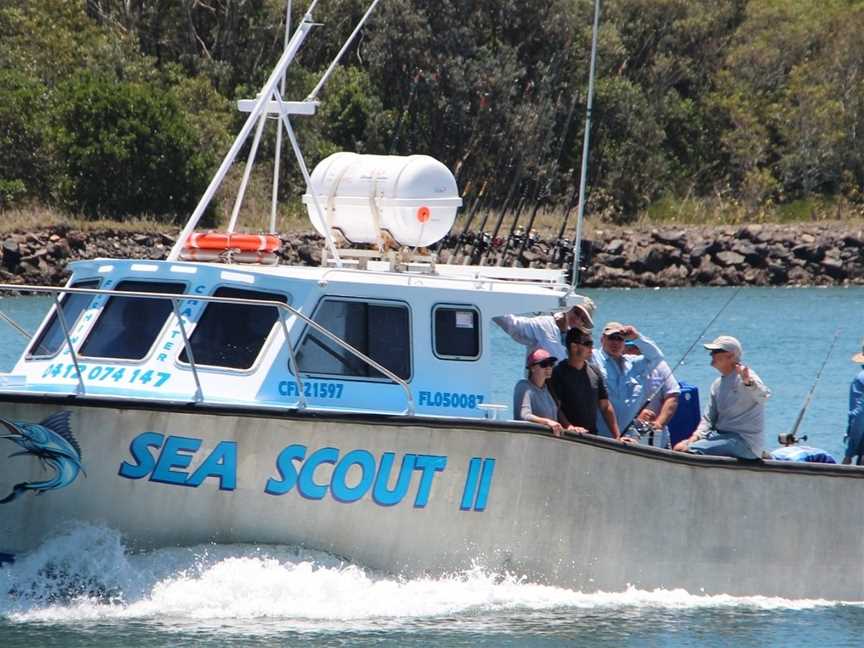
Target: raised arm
517 327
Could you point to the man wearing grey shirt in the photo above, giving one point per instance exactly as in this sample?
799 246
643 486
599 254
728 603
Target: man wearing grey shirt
734 425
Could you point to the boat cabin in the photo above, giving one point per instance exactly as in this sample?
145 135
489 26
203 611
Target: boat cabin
199 332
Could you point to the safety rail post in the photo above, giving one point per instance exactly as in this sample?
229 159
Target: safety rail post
58 308
199 394
295 368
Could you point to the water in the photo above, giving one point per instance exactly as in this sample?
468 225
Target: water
84 588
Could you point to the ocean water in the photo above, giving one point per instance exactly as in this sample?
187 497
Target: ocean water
83 588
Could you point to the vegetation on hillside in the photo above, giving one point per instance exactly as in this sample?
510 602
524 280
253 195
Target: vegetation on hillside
124 108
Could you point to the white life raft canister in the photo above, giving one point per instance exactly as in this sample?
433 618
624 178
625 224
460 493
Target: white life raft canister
413 198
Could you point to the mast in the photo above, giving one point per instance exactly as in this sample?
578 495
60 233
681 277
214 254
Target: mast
577 244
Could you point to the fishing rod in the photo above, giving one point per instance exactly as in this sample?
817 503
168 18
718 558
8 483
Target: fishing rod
813 387
686 353
556 162
542 139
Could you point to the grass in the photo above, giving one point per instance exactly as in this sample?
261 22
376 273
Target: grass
254 215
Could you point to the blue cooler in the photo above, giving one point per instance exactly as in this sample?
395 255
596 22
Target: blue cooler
687 416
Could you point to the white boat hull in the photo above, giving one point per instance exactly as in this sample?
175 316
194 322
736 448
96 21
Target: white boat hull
585 514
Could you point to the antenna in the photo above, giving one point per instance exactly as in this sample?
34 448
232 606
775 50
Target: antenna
269 101
577 244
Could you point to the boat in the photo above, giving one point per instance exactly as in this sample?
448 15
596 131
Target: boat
346 408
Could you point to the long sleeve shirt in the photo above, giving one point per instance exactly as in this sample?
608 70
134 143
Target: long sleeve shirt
539 331
627 381
735 407
856 406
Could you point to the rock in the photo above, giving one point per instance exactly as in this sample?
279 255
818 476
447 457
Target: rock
751 253
809 252
77 240
11 254
673 276
833 267
610 261
730 258
703 248
614 247
310 255
798 276
676 238
777 274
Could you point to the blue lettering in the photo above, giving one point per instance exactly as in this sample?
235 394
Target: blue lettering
485 484
174 456
287 471
221 463
470 485
306 484
423 398
429 464
380 493
144 461
340 489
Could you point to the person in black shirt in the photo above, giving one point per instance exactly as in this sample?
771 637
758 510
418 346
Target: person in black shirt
580 390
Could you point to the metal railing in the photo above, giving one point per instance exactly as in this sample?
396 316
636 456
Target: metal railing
283 309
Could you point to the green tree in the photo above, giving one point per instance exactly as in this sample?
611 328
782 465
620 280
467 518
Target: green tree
127 150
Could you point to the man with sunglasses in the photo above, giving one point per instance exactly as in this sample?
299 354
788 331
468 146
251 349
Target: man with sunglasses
580 390
627 377
547 331
734 424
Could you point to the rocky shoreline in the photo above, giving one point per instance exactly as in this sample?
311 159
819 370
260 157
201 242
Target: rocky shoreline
822 254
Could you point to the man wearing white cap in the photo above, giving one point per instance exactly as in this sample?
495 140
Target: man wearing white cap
626 376
734 424
547 331
855 427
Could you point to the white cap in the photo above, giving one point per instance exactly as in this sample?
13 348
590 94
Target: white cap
726 343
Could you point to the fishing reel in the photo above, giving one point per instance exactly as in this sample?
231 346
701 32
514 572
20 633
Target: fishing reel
516 239
789 439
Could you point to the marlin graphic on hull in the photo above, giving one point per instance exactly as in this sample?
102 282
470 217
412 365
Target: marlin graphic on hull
53 443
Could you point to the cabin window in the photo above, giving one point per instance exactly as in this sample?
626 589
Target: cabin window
128 326
456 332
232 335
380 330
52 337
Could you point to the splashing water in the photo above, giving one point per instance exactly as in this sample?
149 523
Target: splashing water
86 573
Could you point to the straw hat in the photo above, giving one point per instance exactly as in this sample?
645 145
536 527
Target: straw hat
858 358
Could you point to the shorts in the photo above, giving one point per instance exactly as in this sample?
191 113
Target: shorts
722 444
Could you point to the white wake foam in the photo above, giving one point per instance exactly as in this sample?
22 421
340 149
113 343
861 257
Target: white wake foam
87 574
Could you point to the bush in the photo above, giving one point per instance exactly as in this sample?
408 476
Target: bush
25 162
127 150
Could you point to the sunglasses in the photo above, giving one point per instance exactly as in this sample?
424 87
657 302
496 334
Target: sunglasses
545 363
588 343
615 337
716 351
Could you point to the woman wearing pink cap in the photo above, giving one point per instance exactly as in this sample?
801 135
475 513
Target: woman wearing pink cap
532 400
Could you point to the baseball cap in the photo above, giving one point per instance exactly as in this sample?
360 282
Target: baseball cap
538 355
587 309
613 327
725 343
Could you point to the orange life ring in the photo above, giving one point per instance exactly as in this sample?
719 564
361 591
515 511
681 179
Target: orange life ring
232 241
